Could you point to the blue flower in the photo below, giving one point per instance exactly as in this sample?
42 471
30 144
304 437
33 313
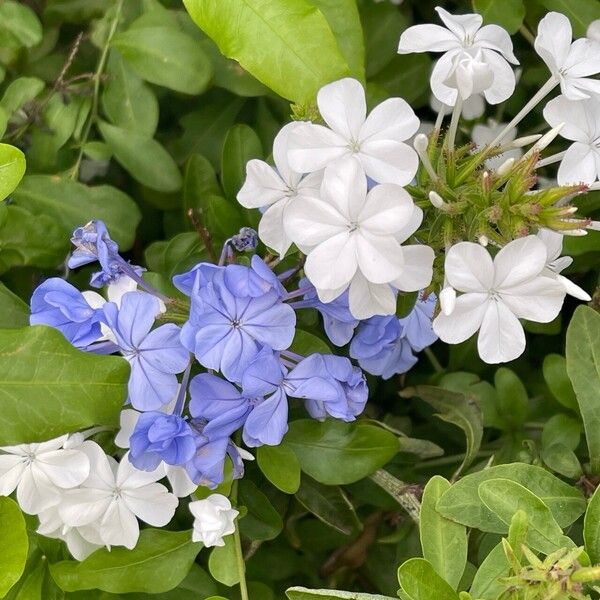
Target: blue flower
254 281
227 332
93 243
62 306
160 437
330 385
417 327
202 272
155 356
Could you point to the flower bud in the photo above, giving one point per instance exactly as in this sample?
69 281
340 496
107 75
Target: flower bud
505 167
213 519
421 143
524 141
437 200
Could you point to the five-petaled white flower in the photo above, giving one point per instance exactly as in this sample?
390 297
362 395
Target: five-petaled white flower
213 519
111 498
571 62
581 124
496 294
353 238
474 60
376 141
41 472
275 189
555 263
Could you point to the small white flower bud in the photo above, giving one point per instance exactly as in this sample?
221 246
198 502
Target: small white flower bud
524 141
575 232
213 519
545 140
483 240
505 167
421 143
436 200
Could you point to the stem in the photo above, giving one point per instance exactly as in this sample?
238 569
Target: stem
440 117
433 360
527 34
182 390
96 95
456 112
400 491
239 555
551 160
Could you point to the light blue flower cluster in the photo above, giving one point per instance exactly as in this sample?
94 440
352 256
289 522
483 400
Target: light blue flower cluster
241 325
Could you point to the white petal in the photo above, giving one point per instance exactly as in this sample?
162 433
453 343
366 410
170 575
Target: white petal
271 228
333 263
64 468
280 153
11 471
94 299
553 242
441 72
388 209
504 82
553 40
343 106
501 338
496 38
417 271
413 224
128 421
447 300
151 503
313 147
573 289
393 119
345 187
180 481
380 258
469 267
35 492
119 527
578 165
427 38
537 300
129 478
263 185
464 320
367 299
578 118
518 262
462 26
386 161
83 506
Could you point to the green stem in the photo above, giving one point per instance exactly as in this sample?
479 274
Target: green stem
96 94
400 491
239 555
433 360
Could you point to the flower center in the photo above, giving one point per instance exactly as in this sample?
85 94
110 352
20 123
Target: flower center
236 323
354 145
353 226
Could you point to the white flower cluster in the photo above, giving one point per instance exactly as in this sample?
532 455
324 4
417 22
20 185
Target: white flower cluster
337 190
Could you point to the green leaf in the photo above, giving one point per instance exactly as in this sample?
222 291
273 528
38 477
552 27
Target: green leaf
127 101
583 367
591 528
280 466
19 92
306 343
302 593
555 375
562 460
561 429
462 504
158 563
298 52
505 498
444 542
222 562
455 408
337 453
517 532
329 504
513 401
199 182
21 23
177 255
73 204
344 20
153 167
41 370
580 13
262 522
241 145
15 313
165 56
407 76
494 566
506 13
419 581
14 544
12 169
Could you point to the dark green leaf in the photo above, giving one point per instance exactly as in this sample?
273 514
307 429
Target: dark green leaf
580 13
19 92
241 145
306 343
555 375
419 581
407 76
158 563
591 528
280 466
513 402
199 182
506 13
15 313
485 583
262 522
40 369
222 562
14 544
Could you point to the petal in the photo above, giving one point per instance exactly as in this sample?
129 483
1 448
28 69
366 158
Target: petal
151 503
504 82
162 349
380 258
518 262
583 59
263 185
393 119
580 123
469 267
134 319
267 423
119 527
64 468
273 327
313 147
496 38
271 228
462 26
280 153
367 299
128 421
427 38
413 224
343 106
553 40
387 210
578 165
441 72
538 300
148 387
35 492
464 320
180 481
573 289
83 506
417 271
501 338
388 161
345 188
11 471
333 263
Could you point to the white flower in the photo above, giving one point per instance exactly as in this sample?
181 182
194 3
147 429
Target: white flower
555 263
474 60
484 134
112 497
275 188
353 238
593 31
497 293
581 118
180 481
572 63
376 141
213 519
41 472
